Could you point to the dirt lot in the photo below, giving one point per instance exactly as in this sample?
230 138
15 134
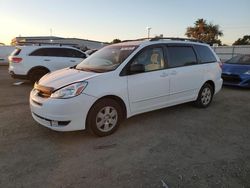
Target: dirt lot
182 146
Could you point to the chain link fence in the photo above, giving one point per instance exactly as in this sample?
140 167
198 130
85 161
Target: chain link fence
227 52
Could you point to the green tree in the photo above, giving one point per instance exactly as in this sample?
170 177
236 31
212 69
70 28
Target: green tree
116 41
204 31
243 41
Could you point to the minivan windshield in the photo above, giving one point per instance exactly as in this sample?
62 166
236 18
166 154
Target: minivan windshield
106 59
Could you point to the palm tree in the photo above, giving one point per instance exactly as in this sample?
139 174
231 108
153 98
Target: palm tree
205 32
198 31
213 31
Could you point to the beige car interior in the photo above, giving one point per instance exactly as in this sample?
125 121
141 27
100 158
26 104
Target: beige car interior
156 62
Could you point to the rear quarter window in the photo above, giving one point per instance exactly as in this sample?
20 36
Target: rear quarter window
205 54
74 53
16 52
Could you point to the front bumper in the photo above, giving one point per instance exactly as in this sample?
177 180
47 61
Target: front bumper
243 84
61 114
236 80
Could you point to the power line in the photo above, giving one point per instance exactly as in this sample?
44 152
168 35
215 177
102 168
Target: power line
235 27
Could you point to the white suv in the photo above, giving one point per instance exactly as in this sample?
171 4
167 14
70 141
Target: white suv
32 62
125 79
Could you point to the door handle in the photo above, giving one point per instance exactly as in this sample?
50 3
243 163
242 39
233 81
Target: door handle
164 74
173 73
46 59
72 61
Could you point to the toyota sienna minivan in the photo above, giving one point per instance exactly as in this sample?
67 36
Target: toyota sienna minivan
125 79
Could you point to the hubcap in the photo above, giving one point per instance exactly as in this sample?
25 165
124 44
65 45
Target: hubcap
206 96
106 119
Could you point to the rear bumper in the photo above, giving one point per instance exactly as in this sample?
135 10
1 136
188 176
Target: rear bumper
18 71
18 76
218 85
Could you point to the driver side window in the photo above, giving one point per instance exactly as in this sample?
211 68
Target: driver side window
152 59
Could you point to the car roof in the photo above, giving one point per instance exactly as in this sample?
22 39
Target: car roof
45 46
28 49
146 42
128 43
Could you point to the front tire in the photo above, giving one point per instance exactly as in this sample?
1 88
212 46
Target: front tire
205 96
104 117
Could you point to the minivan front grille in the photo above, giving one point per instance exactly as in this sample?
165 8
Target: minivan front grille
53 123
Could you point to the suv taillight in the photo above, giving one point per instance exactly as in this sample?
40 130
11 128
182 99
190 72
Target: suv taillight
16 59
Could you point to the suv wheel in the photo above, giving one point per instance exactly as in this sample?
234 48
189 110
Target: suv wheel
205 96
104 117
36 74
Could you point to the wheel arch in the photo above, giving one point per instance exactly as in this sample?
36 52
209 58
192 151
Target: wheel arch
38 68
210 82
117 99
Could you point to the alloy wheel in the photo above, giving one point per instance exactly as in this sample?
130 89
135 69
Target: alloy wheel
106 118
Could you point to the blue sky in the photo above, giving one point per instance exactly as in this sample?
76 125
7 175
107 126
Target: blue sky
105 20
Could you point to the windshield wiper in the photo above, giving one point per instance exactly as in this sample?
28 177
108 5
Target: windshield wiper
73 67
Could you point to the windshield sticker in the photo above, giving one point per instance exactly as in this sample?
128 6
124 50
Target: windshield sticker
128 48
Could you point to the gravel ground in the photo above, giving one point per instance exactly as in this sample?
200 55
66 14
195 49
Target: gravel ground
180 146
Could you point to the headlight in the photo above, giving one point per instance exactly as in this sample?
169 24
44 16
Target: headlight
248 72
69 91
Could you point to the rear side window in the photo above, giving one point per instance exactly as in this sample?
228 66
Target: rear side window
40 52
181 56
16 52
205 54
52 52
58 52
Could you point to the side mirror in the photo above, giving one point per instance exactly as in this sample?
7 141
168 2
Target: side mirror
136 68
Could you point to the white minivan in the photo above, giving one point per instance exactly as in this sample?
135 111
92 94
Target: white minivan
125 79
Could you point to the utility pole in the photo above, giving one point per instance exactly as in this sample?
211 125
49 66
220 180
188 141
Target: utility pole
149 28
51 35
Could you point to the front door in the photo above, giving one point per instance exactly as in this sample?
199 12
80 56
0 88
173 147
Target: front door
149 90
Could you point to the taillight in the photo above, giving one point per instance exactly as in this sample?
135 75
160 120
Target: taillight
16 59
220 64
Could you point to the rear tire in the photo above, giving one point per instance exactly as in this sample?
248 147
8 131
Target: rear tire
205 96
36 74
104 117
